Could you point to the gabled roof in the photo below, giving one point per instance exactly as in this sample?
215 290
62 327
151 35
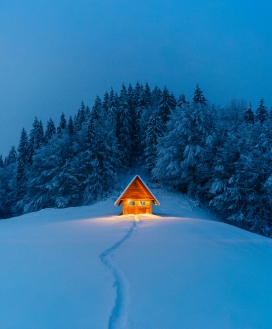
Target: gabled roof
130 191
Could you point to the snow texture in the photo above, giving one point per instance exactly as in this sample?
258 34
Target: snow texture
177 269
119 316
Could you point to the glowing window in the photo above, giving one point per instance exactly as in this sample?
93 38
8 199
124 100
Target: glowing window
142 203
131 203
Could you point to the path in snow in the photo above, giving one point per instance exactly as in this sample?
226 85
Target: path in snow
119 314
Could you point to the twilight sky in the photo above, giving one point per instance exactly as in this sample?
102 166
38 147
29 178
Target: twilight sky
56 53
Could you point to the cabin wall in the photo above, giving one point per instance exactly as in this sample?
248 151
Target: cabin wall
138 208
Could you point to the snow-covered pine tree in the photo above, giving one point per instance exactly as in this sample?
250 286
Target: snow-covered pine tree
154 131
90 167
147 95
132 105
112 111
261 112
241 189
156 96
124 128
22 159
110 126
249 115
167 105
8 184
82 117
270 114
227 144
151 107
2 192
40 134
97 109
47 179
31 141
135 94
87 114
199 97
142 102
50 130
62 125
182 148
12 157
70 126
182 100
105 102
7 190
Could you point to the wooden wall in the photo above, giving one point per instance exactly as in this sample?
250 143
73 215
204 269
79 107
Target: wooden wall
137 209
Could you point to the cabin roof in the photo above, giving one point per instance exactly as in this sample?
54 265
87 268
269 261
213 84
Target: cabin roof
147 192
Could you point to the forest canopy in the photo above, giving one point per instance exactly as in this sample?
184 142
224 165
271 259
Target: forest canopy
220 157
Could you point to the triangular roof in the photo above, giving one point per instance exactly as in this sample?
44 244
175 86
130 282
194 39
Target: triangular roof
132 191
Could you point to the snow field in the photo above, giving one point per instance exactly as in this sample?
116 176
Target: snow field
51 275
189 273
86 267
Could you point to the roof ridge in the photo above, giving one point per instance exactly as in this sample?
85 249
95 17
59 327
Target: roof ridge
118 200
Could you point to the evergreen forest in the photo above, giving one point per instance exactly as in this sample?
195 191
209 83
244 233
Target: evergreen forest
220 157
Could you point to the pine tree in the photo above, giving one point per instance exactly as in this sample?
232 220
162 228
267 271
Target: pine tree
97 109
31 141
167 105
261 112
90 137
270 114
22 160
81 118
62 125
95 166
147 95
136 95
1 161
124 128
49 176
87 114
249 115
182 100
40 134
181 148
8 186
131 98
35 139
70 127
154 131
156 96
50 130
12 157
199 97
22 148
105 103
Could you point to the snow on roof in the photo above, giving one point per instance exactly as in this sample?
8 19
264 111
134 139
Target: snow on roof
137 176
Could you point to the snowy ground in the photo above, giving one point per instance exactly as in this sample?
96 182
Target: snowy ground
179 269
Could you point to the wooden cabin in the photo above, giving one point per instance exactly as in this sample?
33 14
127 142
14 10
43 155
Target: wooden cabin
137 198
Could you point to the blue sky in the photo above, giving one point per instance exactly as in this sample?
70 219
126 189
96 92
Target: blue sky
54 54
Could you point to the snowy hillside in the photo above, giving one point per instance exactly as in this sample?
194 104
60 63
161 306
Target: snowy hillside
179 269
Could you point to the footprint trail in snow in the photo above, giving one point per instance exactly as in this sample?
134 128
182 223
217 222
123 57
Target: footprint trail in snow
119 314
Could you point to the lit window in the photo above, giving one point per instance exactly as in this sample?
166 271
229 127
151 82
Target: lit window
131 203
142 203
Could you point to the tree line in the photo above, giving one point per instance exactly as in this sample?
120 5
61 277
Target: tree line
221 157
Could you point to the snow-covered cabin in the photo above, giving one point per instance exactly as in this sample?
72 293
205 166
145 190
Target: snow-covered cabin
137 198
